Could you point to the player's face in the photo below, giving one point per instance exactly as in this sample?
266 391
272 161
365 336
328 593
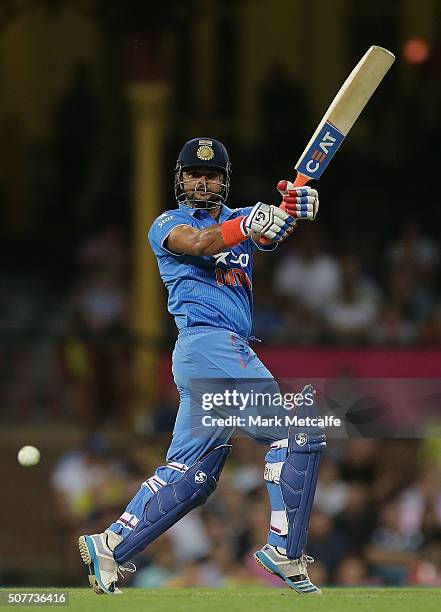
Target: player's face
200 183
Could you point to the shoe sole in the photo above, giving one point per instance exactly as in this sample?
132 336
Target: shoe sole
275 572
87 560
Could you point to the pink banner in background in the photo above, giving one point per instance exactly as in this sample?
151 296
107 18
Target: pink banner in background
398 393
329 362
359 362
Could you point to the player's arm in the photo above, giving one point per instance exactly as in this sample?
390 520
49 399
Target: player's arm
263 220
192 241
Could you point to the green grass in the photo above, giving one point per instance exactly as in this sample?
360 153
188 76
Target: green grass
252 600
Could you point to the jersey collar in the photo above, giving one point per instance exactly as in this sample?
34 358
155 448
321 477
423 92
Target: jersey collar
200 213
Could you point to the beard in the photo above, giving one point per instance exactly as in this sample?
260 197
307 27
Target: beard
206 200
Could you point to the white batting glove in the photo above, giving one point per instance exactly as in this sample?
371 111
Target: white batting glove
269 221
299 202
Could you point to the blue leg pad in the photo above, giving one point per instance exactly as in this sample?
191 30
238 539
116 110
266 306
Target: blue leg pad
298 482
174 501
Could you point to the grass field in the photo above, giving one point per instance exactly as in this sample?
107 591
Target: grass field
252 600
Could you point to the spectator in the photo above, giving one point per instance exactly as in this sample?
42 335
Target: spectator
357 518
350 315
421 497
427 569
352 571
87 482
392 551
332 493
306 273
189 539
156 565
326 542
413 250
392 327
99 330
298 325
416 256
104 250
359 460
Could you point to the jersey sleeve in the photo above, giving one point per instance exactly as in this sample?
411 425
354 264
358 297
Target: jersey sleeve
161 228
254 243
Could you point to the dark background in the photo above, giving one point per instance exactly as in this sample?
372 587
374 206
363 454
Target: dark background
96 99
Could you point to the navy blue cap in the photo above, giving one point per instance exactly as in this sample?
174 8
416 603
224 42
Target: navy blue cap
204 152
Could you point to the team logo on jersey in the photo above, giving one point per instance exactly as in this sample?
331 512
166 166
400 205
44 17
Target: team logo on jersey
301 439
205 152
200 477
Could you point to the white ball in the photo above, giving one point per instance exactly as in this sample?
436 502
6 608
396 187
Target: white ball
28 456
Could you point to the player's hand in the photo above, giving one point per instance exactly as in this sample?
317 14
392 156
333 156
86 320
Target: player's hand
299 202
269 221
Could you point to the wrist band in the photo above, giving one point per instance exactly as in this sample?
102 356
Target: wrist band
233 231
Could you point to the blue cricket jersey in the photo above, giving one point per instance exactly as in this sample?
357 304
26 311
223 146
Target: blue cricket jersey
210 290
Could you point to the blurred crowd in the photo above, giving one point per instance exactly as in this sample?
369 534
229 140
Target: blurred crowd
74 350
327 294
376 518
311 292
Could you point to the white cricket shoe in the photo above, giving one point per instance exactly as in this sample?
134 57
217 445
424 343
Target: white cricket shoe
291 571
97 553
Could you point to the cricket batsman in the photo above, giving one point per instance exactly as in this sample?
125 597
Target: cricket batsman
204 251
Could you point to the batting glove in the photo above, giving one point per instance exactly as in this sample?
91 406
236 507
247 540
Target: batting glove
299 202
269 221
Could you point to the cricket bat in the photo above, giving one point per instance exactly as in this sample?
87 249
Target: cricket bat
343 112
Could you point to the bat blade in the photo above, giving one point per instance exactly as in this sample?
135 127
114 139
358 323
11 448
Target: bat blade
344 110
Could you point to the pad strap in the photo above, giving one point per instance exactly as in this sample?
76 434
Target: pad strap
280 444
272 472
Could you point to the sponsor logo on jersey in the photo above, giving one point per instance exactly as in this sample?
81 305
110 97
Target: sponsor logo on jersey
242 259
161 223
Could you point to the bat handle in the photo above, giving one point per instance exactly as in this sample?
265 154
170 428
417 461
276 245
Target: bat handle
300 181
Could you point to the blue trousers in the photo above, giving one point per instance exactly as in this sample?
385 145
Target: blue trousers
210 353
